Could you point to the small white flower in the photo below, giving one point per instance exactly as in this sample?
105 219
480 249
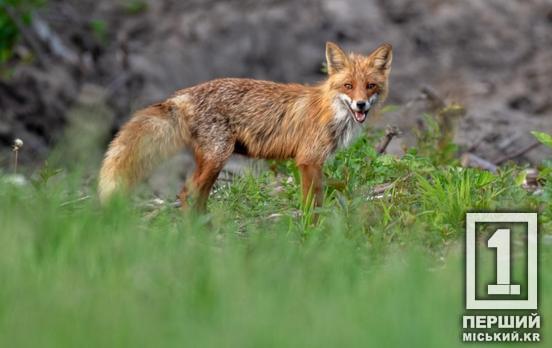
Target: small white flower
157 201
18 143
15 180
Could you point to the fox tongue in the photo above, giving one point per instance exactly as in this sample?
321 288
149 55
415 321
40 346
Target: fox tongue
360 116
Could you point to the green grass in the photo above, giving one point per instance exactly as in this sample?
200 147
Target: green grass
375 272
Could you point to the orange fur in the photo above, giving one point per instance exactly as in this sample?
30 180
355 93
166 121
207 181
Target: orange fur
259 119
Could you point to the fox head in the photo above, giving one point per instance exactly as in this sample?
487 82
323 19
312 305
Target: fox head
359 83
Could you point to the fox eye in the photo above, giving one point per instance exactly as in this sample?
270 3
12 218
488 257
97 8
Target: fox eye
371 86
348 86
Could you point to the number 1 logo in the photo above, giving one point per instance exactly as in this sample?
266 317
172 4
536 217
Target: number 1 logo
500 240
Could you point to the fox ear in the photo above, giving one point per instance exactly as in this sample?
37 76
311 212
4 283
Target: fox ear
336 59
382 57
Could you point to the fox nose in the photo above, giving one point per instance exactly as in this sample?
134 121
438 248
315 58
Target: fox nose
361 104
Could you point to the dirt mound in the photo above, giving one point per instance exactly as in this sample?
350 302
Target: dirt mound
494 56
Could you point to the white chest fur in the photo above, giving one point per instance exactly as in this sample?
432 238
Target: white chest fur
344 127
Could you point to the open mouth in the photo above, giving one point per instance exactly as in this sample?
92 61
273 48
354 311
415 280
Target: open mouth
360 117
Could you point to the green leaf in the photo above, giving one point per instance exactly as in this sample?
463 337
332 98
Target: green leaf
485 178
544 138
520 178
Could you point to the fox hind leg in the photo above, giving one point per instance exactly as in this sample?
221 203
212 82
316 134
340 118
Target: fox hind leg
209 163
203 182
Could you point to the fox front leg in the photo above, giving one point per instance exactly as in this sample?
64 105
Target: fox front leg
311 184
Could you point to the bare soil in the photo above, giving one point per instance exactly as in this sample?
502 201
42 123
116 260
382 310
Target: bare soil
494 57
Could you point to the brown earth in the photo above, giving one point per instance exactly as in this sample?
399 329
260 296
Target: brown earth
493 56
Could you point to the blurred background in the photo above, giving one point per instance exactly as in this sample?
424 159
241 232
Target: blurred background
73 71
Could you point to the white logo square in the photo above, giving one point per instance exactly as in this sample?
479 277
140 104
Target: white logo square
500 241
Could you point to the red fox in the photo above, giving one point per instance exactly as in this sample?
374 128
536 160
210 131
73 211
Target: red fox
259 119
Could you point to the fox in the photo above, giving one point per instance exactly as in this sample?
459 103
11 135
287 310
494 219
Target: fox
256 118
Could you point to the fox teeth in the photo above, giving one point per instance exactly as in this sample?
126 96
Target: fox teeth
360 116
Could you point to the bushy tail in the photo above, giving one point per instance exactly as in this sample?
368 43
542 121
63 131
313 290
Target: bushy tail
150 137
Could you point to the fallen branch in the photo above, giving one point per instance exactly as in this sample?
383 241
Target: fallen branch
518 153
469 160
390 133
380 189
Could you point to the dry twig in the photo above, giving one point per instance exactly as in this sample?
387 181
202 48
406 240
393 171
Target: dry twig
473 161
390 133
518 153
